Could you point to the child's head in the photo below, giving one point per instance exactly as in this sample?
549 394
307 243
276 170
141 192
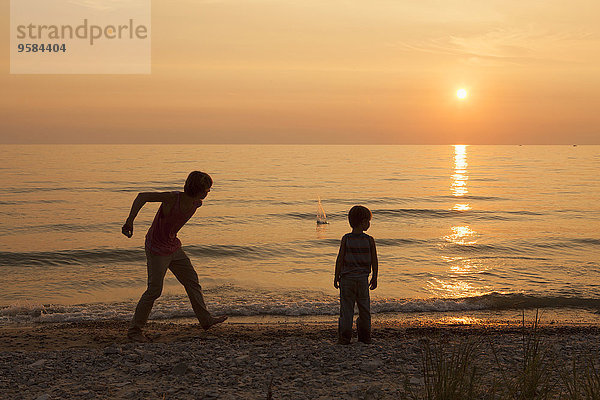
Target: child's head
359 217
197 184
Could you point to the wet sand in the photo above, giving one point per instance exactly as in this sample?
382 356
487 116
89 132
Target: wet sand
296 360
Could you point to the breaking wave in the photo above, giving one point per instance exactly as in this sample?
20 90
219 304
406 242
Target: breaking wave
235 302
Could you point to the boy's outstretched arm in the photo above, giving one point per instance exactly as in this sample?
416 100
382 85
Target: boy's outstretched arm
138 203
338 264
374 265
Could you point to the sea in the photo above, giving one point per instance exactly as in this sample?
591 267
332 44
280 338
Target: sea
459 229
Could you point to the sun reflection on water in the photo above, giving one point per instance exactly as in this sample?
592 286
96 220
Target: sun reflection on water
461 274
461 207
461 235
463 321
460 178
454 288
461 265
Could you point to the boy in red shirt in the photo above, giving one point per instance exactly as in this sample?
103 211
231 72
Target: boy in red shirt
163 249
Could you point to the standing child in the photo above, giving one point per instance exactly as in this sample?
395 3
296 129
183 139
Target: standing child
163 249
356 259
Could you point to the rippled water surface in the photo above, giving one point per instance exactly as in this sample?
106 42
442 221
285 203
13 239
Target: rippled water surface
457 227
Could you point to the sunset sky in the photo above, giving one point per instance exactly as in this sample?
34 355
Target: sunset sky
380 72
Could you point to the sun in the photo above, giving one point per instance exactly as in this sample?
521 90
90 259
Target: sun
461 93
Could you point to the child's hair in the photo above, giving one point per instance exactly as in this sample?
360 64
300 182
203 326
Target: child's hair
197 182
357 214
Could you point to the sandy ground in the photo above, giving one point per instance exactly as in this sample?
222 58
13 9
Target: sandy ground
256 360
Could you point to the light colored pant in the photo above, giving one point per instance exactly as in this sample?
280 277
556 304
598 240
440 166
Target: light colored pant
354 291
182 268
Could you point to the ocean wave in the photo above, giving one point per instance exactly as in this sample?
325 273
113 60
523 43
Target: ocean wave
390 213
443 213
587 241
304 249
105 228
466 197
37 201
244 303
123 256
482 248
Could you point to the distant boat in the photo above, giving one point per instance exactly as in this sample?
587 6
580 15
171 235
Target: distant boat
321 216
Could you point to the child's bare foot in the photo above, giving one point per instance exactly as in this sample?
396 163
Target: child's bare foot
137 337
214 321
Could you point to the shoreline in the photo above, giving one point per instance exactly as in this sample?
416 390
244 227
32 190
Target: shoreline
40 337
22 316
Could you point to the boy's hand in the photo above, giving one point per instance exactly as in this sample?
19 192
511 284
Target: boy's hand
373 284
336 282
127 229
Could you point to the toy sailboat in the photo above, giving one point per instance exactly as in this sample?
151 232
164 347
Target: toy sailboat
321 216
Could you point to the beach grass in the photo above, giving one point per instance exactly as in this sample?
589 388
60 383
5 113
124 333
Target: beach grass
532 377
535 372
582 381
448 374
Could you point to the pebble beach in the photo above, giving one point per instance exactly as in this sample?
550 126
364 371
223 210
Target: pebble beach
94 360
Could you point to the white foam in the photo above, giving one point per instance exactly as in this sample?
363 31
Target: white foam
239 302
170 307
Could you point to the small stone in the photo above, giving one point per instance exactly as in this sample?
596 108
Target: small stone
241 358
113 350
415 381
374 392
371 365
144 368
180 369
38 363
121 384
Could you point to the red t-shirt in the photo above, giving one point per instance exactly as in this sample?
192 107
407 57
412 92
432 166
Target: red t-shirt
161 238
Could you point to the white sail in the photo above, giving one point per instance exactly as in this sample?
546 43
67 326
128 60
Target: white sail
321 216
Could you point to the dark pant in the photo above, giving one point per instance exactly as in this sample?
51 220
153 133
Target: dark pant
182 268
354 291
